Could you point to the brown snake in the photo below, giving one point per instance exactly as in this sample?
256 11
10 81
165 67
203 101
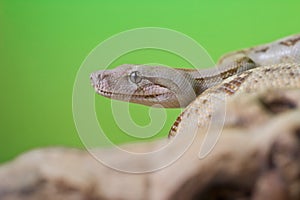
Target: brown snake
268 66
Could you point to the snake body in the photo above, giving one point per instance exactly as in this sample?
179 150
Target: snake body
264 78
269 66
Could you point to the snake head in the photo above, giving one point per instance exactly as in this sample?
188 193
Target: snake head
147 85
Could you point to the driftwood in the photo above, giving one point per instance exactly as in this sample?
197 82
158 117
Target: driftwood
257 157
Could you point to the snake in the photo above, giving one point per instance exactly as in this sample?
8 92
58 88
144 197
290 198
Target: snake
268 66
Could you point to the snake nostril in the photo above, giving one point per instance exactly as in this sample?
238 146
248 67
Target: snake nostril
92 76
93 79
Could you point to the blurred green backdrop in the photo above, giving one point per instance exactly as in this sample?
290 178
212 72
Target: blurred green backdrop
43 44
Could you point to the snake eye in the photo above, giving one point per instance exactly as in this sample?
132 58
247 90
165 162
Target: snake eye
135 77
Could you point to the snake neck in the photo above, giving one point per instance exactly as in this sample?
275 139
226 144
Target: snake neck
204 79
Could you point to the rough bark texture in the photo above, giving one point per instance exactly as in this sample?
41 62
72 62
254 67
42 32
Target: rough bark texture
257 157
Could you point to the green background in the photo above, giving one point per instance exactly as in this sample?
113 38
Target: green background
43 43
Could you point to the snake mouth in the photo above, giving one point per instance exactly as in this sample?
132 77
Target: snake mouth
162 99
104 93
115 95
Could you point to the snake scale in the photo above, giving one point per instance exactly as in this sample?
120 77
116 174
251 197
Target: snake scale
268 66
